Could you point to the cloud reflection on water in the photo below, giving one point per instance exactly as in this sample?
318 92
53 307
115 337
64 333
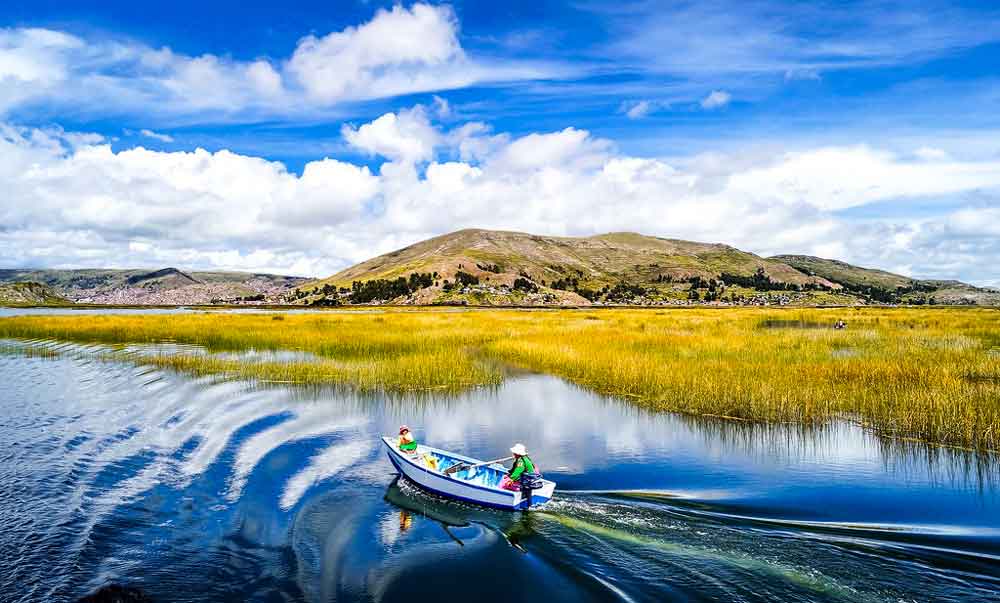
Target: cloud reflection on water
149 468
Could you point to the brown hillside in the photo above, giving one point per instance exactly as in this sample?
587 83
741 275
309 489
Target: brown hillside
596 261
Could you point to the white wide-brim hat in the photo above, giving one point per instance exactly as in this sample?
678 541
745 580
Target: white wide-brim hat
518 449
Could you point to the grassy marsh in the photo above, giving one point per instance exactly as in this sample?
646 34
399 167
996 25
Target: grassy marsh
921 373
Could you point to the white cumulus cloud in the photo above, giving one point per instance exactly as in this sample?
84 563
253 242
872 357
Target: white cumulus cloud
398 51
403 136
70 199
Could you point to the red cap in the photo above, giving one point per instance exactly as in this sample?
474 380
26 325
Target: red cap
403 428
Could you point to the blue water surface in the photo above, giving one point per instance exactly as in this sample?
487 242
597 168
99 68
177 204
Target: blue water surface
117 475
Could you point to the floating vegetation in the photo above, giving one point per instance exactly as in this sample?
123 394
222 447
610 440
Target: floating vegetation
920 373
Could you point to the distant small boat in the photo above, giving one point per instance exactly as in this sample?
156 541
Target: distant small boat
479 485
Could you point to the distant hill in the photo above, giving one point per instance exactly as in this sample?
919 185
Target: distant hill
602 259
610 268
30 294
165 278
486 267
844 273
888 287
163 286
501 268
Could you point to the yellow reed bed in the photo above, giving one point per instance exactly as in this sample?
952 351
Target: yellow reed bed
932 374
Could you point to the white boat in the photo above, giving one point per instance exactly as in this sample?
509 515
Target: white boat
480 485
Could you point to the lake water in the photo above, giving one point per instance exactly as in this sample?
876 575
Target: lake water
182 489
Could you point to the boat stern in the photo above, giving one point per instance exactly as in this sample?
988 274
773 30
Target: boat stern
538 497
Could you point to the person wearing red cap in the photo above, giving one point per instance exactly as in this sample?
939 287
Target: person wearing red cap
407 443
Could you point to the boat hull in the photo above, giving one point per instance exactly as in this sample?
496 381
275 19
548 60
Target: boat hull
451 487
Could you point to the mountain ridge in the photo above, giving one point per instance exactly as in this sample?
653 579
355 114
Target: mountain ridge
162 286
482 244
28 293
859 279
501 267
510 268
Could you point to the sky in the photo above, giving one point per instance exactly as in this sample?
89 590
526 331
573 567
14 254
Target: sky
302 137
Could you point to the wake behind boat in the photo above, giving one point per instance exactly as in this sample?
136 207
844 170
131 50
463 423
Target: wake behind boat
474 482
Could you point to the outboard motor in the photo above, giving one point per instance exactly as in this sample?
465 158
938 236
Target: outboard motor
529 482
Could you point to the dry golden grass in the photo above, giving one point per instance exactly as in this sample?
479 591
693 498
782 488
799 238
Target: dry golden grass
924 373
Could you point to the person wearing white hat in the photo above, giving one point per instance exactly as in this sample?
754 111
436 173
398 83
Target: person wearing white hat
522 464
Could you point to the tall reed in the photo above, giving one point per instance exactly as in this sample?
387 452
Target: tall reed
931 374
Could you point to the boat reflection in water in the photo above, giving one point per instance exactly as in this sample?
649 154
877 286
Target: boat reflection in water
411 499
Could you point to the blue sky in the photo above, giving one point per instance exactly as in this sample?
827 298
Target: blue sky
859 130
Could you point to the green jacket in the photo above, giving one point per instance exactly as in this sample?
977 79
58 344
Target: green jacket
522 464
407 446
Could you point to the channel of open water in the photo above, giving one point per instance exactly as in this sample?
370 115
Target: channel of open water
181 489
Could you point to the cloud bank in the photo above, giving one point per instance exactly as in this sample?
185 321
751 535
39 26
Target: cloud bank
399 51
73 201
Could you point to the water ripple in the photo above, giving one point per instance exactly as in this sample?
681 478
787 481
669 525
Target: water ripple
212 489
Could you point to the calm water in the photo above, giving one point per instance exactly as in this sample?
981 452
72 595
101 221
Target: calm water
204 490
